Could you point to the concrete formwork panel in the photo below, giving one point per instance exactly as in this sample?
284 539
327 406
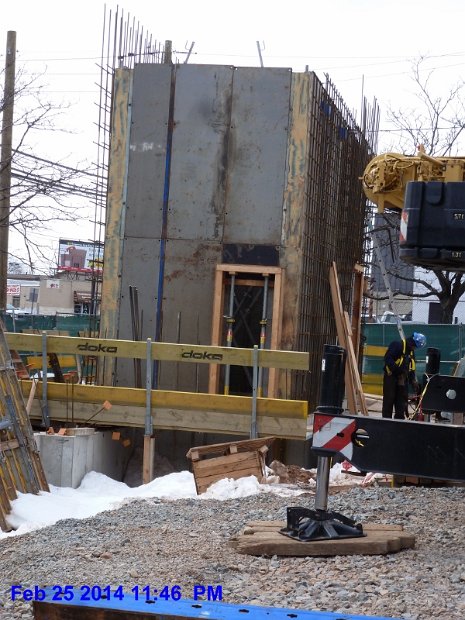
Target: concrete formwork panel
202 117
140 269
187 300
147 150
187 291
257 155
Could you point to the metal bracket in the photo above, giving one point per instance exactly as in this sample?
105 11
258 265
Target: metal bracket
5 424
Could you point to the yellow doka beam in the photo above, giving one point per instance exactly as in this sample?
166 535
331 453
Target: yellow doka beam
292 360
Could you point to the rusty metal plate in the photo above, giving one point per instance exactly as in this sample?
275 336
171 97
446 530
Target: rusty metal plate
187 308
147 150
140 263
257 155
202 112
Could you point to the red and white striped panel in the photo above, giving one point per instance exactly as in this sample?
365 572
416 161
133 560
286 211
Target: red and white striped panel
403 226
334 434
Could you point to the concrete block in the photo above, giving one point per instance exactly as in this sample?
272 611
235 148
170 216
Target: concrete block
66 459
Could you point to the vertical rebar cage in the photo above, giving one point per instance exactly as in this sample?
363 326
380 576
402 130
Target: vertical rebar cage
334 213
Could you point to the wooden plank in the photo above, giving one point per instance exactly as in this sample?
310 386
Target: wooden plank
295 197
354 368
3 524
245 470
266 540
230 268
240 446
357 304
7 479
5 507
222 464
274 525
9 444
31 395
342 336
44 610
202 484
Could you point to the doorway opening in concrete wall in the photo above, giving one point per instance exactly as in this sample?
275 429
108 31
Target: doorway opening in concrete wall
247 312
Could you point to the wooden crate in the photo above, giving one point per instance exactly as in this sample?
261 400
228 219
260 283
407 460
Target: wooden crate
228 460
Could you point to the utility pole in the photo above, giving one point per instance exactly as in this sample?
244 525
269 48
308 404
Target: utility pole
5 160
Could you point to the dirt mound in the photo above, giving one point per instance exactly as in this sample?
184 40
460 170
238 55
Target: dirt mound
291 474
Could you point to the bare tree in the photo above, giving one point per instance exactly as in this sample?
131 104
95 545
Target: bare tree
14 267
437 122
43 192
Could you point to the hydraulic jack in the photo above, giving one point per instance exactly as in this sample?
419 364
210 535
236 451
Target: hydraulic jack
303 523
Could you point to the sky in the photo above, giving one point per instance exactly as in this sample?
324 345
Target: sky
366 47
98 492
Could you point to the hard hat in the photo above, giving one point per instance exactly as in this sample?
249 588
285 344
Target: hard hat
419 340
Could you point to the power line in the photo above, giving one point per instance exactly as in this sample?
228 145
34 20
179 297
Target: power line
59 186
400 129
388 59
58 165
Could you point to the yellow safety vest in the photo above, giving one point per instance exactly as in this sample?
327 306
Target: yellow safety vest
401 359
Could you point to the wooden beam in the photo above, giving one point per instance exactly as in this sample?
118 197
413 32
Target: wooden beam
116 209
357 303
342 336
354 367
217 322
164 418
134 397
276 326
249 269
148 459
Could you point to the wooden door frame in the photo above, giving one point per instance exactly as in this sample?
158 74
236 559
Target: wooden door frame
223 271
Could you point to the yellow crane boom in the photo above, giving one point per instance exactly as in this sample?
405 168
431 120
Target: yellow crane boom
386 176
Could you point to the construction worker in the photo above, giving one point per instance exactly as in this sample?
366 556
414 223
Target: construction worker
399 372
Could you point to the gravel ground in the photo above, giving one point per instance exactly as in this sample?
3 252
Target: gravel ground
185 542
